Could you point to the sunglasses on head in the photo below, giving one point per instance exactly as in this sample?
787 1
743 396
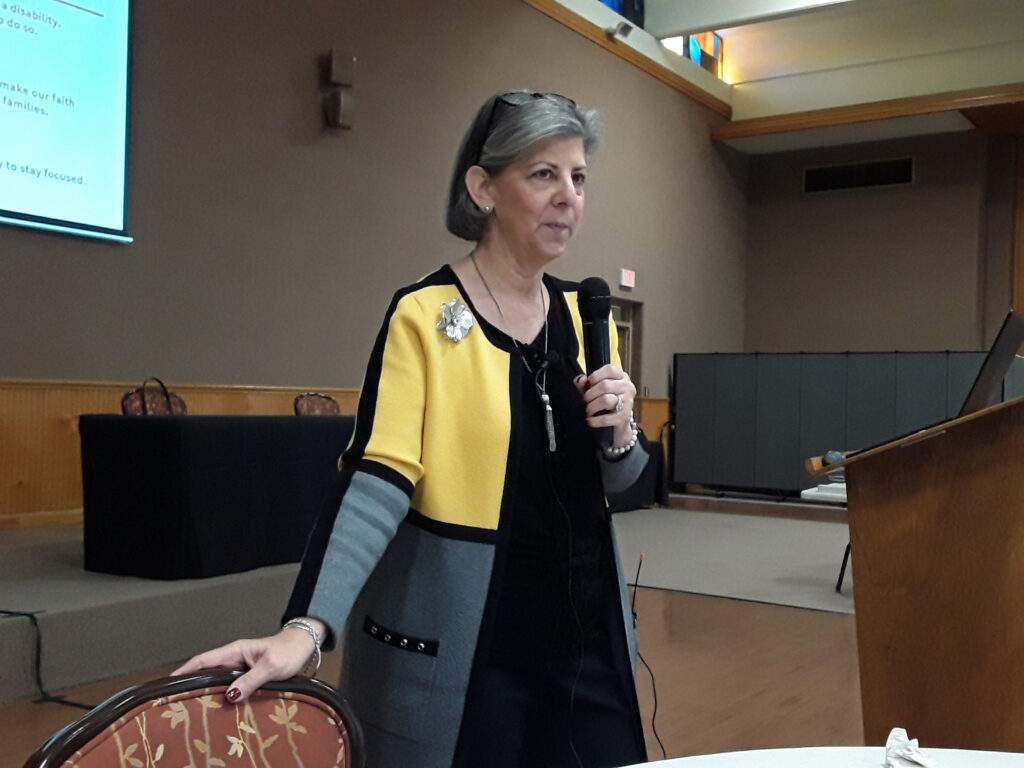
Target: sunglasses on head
516 99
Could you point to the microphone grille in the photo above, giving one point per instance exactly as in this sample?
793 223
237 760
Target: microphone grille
594 299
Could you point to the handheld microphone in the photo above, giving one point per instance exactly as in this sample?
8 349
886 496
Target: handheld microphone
595 304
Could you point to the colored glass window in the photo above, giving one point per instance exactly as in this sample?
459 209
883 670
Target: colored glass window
705 49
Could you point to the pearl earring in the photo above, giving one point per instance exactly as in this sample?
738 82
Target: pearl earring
487 210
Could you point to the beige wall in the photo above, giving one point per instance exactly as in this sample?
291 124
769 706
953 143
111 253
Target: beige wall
893 268
266 249
998 233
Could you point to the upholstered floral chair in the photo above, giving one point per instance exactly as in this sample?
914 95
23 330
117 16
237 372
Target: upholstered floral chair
185 721
316 404
152 401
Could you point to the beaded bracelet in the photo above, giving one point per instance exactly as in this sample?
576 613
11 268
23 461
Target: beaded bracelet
615 452
308 628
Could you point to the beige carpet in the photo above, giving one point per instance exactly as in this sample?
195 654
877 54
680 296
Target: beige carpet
747 557
94 625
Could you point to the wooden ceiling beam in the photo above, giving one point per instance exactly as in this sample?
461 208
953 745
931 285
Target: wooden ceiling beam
877 110
596 34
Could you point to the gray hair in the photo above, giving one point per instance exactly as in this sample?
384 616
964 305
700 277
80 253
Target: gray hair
503 133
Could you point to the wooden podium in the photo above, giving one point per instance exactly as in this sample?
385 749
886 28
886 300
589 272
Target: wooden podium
937 528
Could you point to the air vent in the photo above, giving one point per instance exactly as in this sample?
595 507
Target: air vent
877 174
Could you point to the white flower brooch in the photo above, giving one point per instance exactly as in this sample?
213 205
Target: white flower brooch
456 320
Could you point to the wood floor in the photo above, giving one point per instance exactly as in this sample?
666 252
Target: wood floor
735 675
730 675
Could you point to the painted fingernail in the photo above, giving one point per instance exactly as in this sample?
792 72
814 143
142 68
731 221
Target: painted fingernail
232 695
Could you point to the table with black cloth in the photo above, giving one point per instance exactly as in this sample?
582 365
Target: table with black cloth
171 497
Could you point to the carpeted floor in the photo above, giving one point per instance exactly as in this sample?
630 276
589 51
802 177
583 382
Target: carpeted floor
41 570
748 557
90 624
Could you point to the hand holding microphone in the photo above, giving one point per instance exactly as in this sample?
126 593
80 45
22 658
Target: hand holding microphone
607 390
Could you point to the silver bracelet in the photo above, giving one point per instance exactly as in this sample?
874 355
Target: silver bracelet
615 452
310 630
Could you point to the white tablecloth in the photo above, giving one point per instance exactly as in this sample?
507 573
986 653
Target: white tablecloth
839 757
833 493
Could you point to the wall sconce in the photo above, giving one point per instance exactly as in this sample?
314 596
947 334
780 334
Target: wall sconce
337 80
620 30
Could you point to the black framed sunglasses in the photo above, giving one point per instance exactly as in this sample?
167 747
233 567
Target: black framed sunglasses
518 98
515 99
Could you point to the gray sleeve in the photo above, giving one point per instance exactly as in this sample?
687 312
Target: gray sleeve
367 521
619 474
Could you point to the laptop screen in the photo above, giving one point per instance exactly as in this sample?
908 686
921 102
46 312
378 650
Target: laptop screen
985 390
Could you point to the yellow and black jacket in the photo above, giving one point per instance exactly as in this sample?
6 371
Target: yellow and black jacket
402 568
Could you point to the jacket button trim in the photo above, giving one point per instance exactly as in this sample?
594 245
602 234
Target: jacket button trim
398 640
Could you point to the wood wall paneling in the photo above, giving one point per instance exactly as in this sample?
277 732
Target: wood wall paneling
40 458
652 413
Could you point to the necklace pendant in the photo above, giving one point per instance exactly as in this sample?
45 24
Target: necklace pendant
549 422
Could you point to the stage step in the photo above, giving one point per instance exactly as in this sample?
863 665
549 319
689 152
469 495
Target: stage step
95 626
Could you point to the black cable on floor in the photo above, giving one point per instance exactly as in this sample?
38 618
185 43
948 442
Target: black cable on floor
654 686
654 714
44 696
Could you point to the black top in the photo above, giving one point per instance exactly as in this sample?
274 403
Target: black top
559 538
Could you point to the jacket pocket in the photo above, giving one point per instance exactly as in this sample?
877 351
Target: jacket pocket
396 639
389 676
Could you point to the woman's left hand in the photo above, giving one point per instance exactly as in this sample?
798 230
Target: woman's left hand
603 392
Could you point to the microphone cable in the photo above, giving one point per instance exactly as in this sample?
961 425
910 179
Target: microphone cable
572 600
44 696
542 363
654 686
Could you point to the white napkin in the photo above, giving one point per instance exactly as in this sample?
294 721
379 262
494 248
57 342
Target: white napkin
901 752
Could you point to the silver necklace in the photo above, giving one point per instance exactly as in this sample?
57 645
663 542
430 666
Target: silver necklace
540 377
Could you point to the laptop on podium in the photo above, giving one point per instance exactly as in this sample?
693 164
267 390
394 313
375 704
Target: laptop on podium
985 390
